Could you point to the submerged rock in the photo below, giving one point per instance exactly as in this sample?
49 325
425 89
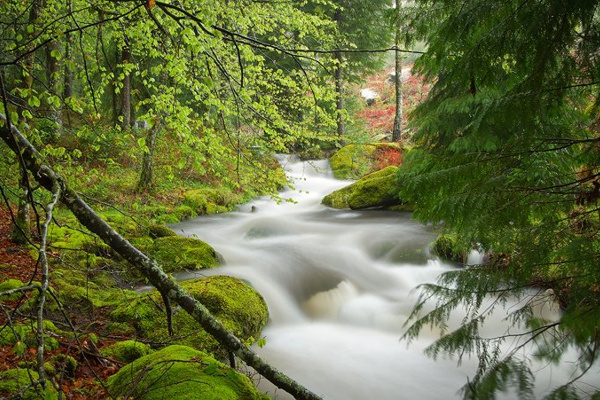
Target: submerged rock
238 306
180 372
374 190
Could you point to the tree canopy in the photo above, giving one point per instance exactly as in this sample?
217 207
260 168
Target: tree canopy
506 157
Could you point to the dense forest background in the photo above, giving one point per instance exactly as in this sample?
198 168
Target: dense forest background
144 113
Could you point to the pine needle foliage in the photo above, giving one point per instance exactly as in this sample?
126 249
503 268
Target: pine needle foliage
507 154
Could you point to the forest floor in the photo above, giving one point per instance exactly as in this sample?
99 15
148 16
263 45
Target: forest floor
16 262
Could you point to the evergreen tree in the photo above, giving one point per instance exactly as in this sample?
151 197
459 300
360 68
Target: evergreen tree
507 152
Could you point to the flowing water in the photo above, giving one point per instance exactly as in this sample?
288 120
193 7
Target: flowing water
339 285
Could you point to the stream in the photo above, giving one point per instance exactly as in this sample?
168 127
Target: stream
339 285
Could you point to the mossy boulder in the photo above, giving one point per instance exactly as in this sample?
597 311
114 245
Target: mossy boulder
158 231
127 350
63 365
207 201
374 190
177 253
14 381
238 306
178 372
78 290
26 335
10 284
352 161
355 161
446 247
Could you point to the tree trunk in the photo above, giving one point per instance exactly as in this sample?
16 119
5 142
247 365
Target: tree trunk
339 106
145 182
397 131
126 109
21 230
53 74
339 87
48 178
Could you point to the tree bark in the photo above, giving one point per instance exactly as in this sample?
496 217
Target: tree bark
21 230
53 73
145 182
339 106
397 131
339 87
48 179
126 110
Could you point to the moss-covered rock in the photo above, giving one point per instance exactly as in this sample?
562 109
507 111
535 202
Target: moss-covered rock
14 381
158 231
374 190
237 305
64 365
352 161
27 335
74 289
177 372
446 247
177 253
127 350
10 284
207 201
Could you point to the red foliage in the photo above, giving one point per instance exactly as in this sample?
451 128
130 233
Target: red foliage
387 156
379 116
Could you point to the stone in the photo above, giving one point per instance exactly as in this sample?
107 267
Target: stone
176 372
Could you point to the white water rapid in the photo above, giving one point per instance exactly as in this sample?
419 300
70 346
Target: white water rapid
339 285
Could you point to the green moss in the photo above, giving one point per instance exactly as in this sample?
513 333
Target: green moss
11 284
184 212
352 161
87 294
176 253
14 381
27 334
127 351
64 365
176 372
446 247
374 190
158 231
237 305
207 201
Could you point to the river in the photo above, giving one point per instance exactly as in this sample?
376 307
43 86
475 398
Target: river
339 285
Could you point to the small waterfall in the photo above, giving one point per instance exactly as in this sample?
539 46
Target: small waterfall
339 285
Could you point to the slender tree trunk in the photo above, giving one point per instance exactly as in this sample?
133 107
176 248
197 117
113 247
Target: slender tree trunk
339 105
339 87
397 131
126 110
21 230
49 179
52 78
68 72
146 175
